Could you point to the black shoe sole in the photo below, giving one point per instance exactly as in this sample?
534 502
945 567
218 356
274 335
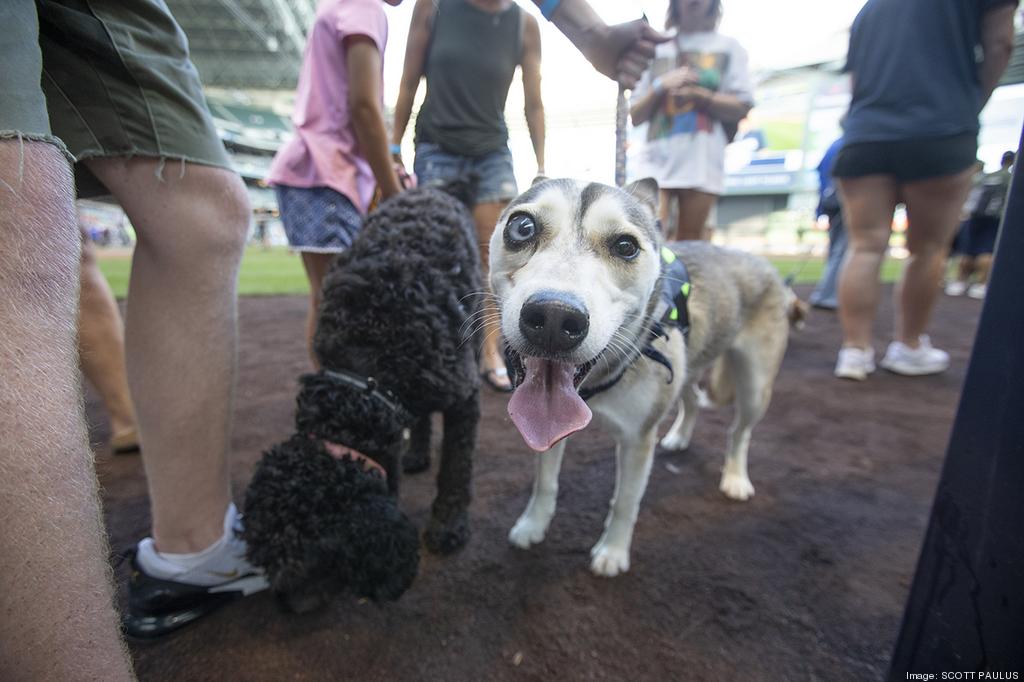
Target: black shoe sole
158 607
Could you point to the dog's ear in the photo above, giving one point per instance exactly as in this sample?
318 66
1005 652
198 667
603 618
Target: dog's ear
538 179
646 192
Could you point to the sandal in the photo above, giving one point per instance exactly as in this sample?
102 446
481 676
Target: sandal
125 442
490 376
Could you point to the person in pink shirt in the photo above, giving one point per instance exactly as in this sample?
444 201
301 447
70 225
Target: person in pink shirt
326 176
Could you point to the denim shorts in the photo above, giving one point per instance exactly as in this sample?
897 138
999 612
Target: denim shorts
317 219
497 182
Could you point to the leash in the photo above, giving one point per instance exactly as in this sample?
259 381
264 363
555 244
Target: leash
621 118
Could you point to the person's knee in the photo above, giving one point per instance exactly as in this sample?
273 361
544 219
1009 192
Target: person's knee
230 216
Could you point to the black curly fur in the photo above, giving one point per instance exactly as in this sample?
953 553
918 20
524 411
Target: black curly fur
395 307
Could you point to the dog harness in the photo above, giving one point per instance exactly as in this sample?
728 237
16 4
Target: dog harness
670 311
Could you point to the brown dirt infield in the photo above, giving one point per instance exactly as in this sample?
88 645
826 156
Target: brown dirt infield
806 581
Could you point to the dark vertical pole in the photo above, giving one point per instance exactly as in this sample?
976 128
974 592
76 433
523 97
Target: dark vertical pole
966 606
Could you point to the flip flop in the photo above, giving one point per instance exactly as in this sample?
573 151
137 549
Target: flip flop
489 376
125 442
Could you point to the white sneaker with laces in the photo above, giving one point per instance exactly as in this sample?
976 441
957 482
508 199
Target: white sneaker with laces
902 359
956 288
977 291
855 363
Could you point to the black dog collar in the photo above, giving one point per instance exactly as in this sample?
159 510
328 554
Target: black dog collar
367 385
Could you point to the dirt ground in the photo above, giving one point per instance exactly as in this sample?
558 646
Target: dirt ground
805 581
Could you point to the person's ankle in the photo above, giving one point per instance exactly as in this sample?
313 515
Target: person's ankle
189 540
912 343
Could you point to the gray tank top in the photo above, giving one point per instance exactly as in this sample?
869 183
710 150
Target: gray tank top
470 62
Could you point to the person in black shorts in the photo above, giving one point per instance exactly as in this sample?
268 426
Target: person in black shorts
977 238
910 136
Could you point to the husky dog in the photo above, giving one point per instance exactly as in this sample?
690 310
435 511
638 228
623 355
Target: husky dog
594 311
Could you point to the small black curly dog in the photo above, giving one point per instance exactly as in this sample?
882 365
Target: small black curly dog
395 344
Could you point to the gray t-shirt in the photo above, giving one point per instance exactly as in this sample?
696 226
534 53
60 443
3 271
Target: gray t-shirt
915 69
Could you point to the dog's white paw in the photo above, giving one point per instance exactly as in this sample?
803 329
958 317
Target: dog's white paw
608 561
736 487
527 532
675 441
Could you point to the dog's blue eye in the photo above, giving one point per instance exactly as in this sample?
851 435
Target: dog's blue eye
625 247
520 229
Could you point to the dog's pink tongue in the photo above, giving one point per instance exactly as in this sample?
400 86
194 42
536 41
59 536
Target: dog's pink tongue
546 407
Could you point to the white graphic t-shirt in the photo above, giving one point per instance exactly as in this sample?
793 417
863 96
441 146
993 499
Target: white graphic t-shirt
680 147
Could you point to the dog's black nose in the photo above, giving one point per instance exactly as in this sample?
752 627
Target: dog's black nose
554 321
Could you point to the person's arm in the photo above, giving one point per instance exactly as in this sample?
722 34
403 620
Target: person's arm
363 64
621 52
720 106
530 64
415 56
647 102
997 46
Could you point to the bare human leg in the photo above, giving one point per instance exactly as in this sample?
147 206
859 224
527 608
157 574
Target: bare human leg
316 265
493 364
180 336
694 208
55 591
101 348
933 211
868 205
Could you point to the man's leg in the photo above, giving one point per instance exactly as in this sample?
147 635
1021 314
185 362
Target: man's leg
57 619
933 210
868 205
180 336
101 348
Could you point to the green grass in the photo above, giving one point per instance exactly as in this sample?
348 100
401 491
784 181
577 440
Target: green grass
279 272
264 273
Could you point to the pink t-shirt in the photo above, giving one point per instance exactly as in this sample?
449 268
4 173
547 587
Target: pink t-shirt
325 151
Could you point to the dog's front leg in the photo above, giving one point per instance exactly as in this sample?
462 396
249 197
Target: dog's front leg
417 458
448 529
611 553
533 523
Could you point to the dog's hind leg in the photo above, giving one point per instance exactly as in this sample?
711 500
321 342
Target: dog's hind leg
417 459
610 556
681 431
448 529
753 363
533 523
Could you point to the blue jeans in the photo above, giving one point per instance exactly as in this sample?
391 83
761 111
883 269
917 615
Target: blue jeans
825 295
496 184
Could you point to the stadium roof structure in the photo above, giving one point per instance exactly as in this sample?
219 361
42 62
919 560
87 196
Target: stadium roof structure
246 44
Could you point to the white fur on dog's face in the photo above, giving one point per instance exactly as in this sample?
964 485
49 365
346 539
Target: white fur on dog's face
578 226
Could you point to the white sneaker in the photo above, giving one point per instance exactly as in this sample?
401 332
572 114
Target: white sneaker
855 363
977 291
956 288
902 359
220 564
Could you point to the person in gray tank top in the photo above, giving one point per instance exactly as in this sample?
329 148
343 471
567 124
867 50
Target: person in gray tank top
468 51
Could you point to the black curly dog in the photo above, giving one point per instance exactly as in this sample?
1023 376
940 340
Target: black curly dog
392 343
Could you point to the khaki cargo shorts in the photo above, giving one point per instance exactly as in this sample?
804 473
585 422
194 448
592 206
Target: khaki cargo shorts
102 78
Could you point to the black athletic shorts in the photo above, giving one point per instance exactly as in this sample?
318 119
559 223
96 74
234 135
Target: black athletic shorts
908 160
